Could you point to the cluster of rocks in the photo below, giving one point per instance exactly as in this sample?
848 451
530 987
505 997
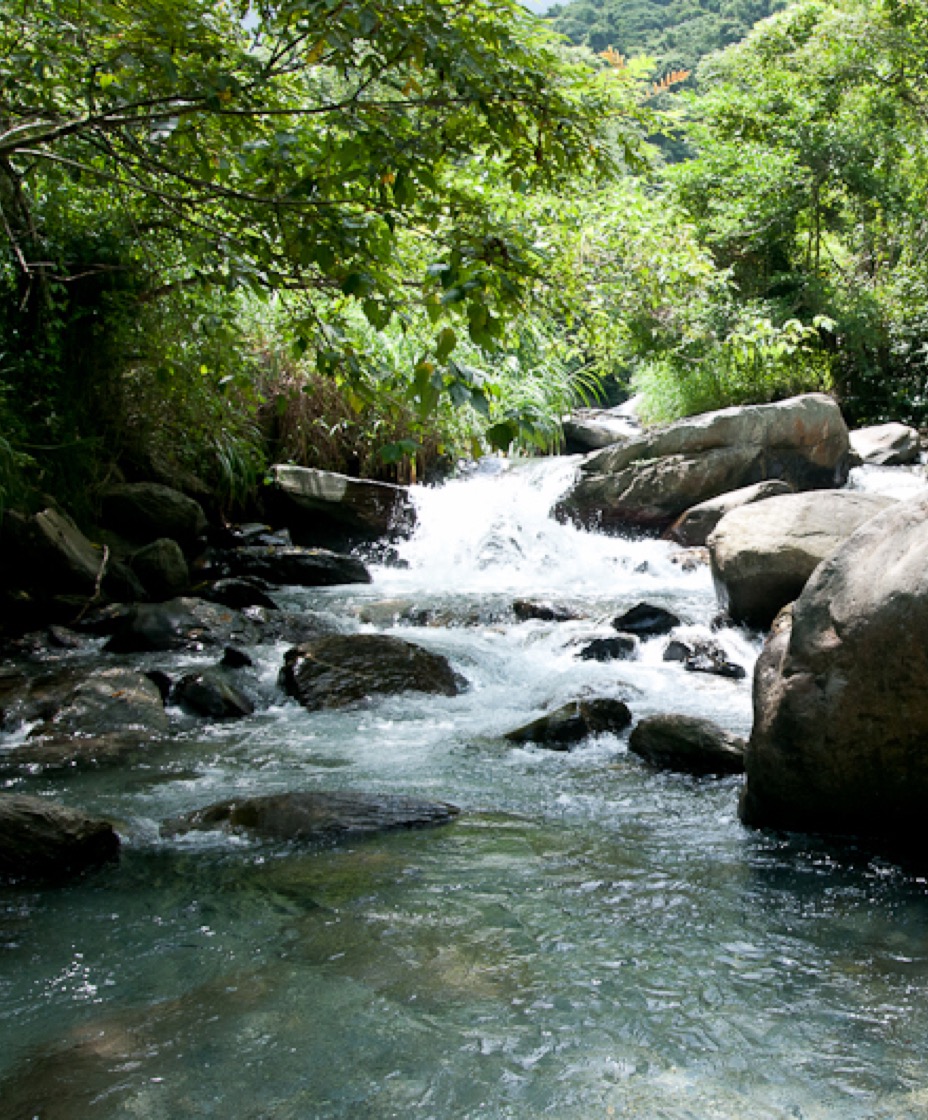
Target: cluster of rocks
841 717
838 578
154 577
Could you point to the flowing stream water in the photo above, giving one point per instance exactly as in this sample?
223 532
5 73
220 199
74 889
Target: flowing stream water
592 938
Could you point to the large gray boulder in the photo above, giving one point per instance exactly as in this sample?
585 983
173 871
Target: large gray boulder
40 840
694 527
315 815
323 506
763 553
648 482
343 669
148 511
840 738
885 445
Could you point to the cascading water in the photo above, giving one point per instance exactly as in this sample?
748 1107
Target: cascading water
592 938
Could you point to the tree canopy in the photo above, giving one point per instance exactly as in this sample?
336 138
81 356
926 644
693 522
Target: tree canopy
340 146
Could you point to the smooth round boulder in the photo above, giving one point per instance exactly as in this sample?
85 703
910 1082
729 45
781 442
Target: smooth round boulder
43 841
840 738
693 527
762 554
342 669
687 744
623 647
646 621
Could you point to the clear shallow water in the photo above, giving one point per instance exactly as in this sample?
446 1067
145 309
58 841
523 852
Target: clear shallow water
591 939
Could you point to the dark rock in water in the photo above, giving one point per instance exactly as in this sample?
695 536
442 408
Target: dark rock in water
703 657
687 744
623 647
709 657
576 721
238 593
42 841
178 624
233 658
208 693
147 511
646 621
316 815
292 627
341 669
85 702
526 610
73 752
841 693
302 567
162 569
324 507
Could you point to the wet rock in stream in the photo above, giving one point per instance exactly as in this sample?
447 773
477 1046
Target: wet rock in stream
622 647
687 744
299 567
315 815
210 693
86 701
43 841
646 621
527 610
561 729
75 752
342 669
704 657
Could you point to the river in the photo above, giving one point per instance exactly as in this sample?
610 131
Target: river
591 939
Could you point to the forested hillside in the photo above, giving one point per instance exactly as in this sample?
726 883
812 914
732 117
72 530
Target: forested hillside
371 236
676 33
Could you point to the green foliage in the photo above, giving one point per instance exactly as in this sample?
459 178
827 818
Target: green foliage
755 362
810 185
369 154
677 33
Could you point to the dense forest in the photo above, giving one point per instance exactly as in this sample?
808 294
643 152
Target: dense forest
374 236
675 33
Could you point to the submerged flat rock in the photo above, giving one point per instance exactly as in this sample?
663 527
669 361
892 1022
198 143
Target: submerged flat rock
315 815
